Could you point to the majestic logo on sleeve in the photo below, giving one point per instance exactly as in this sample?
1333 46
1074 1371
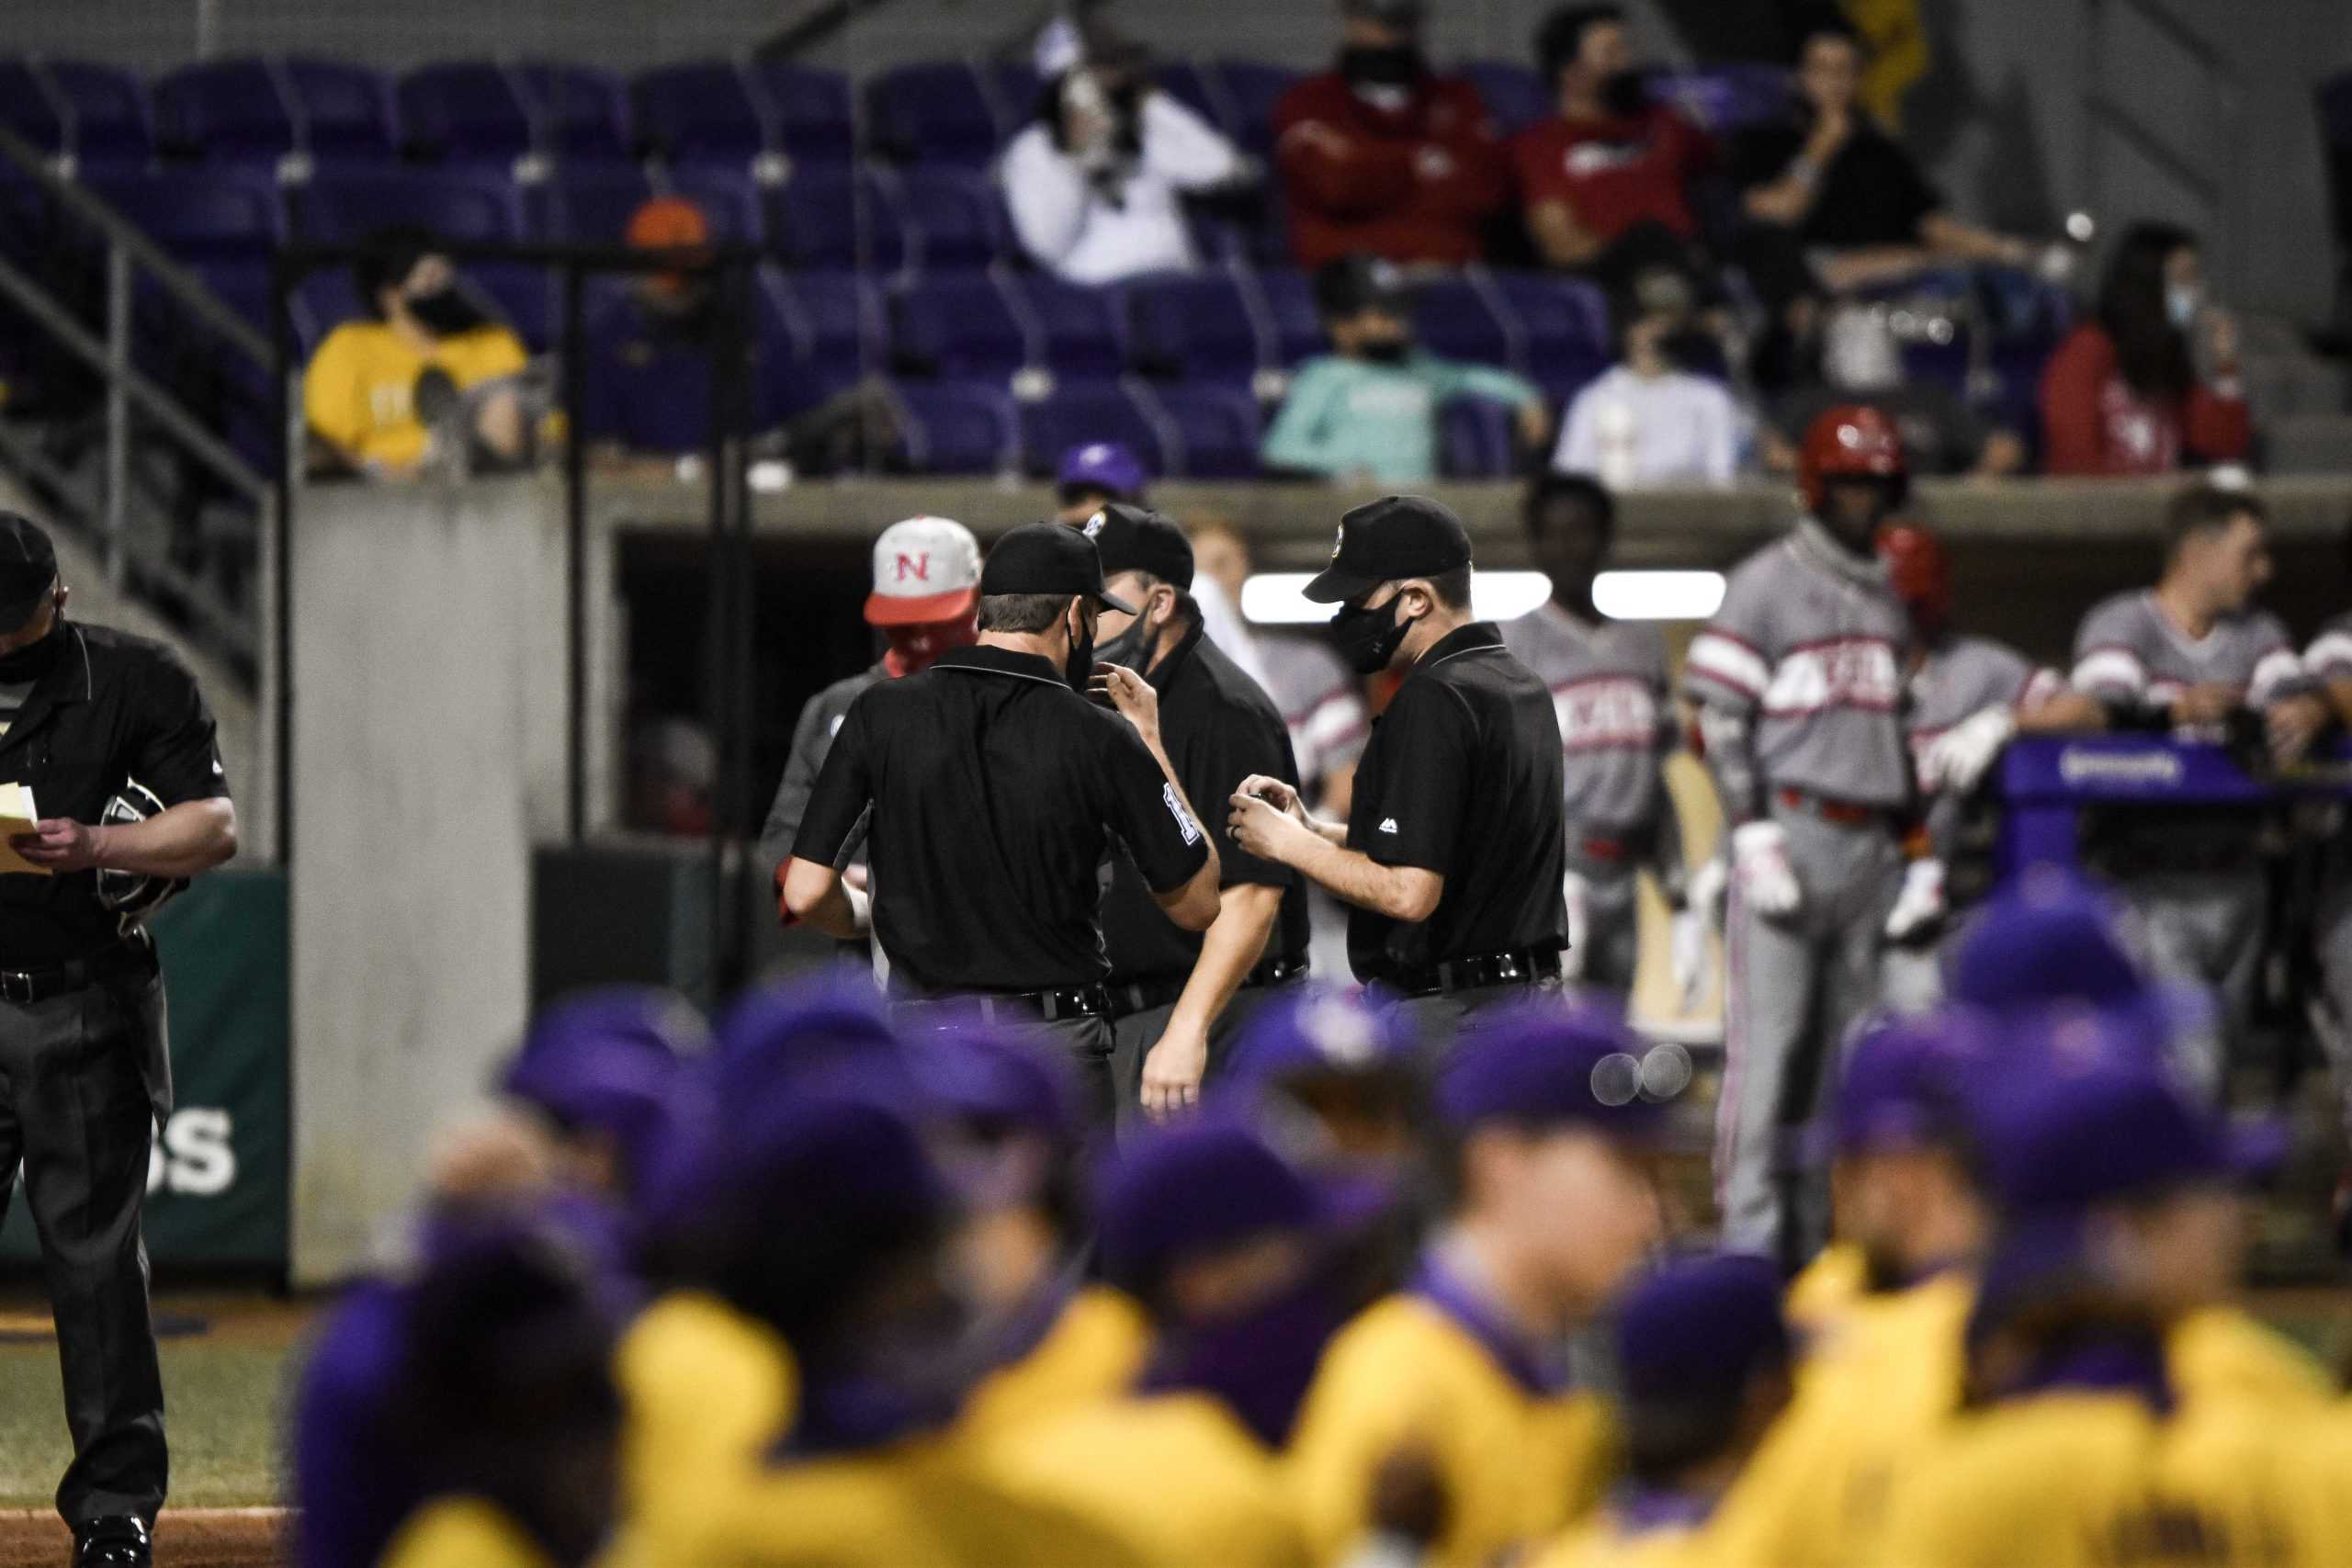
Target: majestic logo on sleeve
917 567
1184 823
1388 824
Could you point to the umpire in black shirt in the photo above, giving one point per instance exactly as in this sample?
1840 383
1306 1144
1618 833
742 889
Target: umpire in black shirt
1453 850
90 719
1176 993
995 790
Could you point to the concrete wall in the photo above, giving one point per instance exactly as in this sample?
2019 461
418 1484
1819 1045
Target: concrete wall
428 680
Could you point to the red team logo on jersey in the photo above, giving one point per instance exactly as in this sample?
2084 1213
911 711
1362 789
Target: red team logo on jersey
1605 711
1838 673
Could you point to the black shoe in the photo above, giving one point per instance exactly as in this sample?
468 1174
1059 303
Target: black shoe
116 1541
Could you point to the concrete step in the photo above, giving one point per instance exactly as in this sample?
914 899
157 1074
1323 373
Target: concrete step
2308 444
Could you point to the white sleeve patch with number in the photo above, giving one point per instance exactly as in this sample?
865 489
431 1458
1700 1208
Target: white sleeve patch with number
1184 823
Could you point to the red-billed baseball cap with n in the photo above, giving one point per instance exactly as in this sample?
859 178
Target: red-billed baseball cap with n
925 569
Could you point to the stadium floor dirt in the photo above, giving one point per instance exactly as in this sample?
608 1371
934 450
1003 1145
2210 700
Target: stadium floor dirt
189 1538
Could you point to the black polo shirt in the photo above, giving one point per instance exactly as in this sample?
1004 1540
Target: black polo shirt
1871 194
997 792
1462 777
113 710
1219 726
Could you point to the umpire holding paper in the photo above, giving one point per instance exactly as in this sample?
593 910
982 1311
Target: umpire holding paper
996 789
1176 993
1453 849
90 720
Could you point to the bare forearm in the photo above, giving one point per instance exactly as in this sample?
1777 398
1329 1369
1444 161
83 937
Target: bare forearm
816 896
2339 698
185 840
1230 948
2068 712
1354 877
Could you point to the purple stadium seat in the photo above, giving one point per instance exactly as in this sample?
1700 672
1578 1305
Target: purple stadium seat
1726 99
1563 329
456 205
1515 95
343 112
106 110
652 396
594 208
811 109
1012 92
1077 328
1188 82
529 298
1092 410
1215 429
25 109
322 302
1454 317
937 112
956 427
1201 328
199 214
1475 439
836 324
582 113
1251 90
465 109
701 111
835 217
1290 308
242 282
958 325
953 216
225 111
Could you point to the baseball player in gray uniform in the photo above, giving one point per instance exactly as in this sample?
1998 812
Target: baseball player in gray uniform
1798 688
2187 658
1615 703
925 599
2328 663
1963 698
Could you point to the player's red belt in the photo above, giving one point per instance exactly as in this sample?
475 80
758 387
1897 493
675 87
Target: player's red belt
1838 813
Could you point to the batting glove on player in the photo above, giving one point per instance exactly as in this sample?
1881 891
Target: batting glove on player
1705 894
1768 881
1686 952
1572 893
1958 758
1919 907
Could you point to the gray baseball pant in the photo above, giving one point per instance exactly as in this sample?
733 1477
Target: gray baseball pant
2203 927
1611 937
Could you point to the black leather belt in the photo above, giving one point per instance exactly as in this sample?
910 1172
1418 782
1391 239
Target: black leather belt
1141 995
27 987
1077 1001
1523 966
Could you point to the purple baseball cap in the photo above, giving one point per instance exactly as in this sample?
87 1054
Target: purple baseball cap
1206 1185
2095 1119
812 1025
1540 1064
1908 1084
1111 467
996 1077
2049 937
1699 1328
1317 1029
612 1061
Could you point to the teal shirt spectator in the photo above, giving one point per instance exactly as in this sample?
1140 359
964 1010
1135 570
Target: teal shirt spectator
1347 417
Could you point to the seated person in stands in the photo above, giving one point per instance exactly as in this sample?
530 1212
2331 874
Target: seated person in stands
1833 193
1651 421
1829 352
2150 382
650 352
1096 183
425 335
1605 184
1368 410
1383 157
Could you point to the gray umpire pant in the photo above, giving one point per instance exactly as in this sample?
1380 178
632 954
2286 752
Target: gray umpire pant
82 1079
1438 1018
2202 928
1087 1040
1794 989
1133 1034
1610 936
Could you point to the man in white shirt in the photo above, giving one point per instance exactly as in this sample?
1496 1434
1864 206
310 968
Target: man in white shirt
1649 423
1095 185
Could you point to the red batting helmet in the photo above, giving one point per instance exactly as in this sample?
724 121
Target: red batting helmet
1921 573
1850 440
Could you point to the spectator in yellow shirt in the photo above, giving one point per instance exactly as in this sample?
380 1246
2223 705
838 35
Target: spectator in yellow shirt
360 392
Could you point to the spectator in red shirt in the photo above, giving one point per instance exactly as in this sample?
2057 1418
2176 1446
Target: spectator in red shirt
1382 157
2153 379
1610 176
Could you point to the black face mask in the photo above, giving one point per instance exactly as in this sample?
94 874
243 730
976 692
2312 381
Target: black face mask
1369 639
1385 350
445 312
1625 94
36 658
1397 65
1131 647
1080 670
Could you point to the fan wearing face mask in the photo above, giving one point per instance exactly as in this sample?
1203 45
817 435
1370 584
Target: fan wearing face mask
424 333
1383 155
1369 409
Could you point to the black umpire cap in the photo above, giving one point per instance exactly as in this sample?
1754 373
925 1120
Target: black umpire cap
1397 536
28 569
1135 538
1047 558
